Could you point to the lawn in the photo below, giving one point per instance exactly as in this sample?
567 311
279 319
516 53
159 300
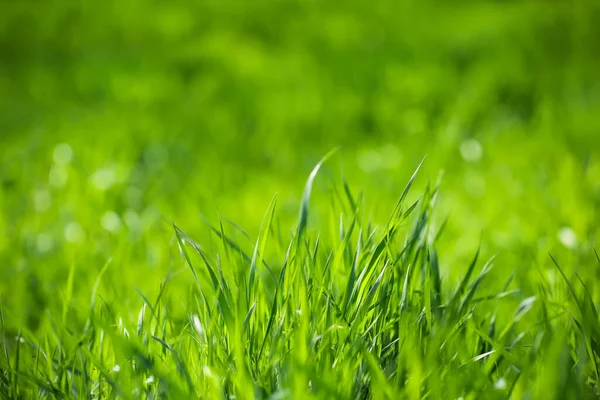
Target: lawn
299 199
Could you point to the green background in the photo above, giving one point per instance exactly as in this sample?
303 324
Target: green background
173 109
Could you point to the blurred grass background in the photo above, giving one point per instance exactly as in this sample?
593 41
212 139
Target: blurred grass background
118 117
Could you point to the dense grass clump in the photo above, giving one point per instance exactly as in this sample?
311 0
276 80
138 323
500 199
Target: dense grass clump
359 309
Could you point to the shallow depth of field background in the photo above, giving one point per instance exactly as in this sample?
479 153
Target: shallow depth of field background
118 118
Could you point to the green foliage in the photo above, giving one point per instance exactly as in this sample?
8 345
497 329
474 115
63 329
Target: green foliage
125 125
392 329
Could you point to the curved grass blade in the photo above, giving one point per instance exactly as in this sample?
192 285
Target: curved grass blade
260 246
303 218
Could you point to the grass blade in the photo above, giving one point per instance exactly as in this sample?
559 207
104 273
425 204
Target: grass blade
303 218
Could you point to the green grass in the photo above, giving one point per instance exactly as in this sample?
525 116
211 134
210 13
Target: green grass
153 157
359 311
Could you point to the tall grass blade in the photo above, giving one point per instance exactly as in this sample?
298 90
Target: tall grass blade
303 218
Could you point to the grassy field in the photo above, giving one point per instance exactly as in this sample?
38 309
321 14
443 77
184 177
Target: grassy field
300 199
